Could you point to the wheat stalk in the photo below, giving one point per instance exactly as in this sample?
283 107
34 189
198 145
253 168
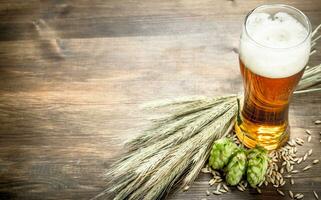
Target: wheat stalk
185 127
311 77
170 153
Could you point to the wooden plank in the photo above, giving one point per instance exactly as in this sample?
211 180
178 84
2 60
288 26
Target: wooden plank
121 8
73 74
128 18
124 26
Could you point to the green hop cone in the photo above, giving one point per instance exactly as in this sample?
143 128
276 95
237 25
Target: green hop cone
236 167
221 152
257 165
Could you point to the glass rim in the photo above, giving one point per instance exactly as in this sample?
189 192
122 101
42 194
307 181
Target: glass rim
306 19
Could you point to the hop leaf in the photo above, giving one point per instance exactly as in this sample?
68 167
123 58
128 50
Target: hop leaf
236 167
257 165
221 152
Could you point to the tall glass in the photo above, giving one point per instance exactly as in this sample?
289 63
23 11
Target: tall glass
274 50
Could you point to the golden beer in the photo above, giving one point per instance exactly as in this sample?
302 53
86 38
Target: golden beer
272 62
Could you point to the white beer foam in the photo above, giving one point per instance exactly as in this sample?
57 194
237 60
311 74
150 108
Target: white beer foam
277 51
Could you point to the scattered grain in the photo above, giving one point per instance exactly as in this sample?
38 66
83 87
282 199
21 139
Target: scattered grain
291 181
217 177
299 141
223 190
299 196
266 183
315 161
258 190
290 143
308 131
280 192
309 138
315 195
215 173
217 192
218 187
219 180
272 180
240 188
291 194
300 160
307 167
244 184
212 181
282 170
288 167
186 188
225 187
205 170
291 167
305 156
310 152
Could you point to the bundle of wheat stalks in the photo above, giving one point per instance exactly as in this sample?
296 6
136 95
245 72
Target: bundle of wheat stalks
174 150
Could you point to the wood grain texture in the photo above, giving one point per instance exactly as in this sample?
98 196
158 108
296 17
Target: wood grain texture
73 73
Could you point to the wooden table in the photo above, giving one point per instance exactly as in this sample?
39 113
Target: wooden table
73 73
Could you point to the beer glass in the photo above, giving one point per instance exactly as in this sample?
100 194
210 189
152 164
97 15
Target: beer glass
274 50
